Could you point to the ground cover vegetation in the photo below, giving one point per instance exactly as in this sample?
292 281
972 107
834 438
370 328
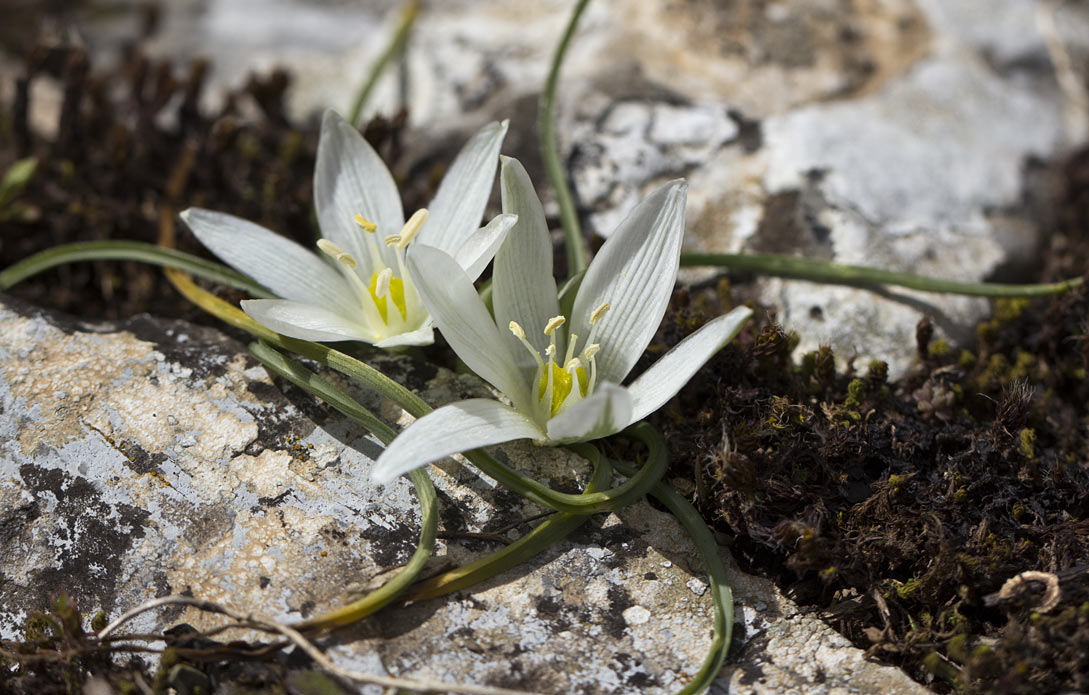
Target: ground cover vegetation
903 511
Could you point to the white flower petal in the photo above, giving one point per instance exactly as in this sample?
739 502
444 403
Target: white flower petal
305 321
634 272
606 411
480 247
523 289
458 205
351 179
279 264
664 378
421 336
449 430
457 311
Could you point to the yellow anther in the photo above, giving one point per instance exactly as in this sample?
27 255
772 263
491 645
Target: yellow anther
365 224
411 228
554 323
598 313
573 363
393 240
590 351
516 330
381 282
336 253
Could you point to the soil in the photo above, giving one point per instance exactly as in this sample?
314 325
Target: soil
940 521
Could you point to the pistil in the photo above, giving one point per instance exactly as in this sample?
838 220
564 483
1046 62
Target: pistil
556 384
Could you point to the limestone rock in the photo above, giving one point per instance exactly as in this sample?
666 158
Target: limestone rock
896 134
148 458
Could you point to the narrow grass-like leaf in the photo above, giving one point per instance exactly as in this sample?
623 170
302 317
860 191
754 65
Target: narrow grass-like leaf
409 11
829 272
546 125
370 377
721 595
544 535
128 251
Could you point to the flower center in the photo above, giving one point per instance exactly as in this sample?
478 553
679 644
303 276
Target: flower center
384 287
555 384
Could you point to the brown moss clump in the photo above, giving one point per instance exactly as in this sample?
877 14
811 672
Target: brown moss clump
898 508
132 150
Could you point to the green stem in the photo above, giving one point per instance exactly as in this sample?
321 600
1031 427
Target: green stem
817 270
425 491
546 124
587 503
547 533
721 595
415 406
335 359
400 37
128 251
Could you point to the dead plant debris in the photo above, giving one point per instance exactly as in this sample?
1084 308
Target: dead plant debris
901 511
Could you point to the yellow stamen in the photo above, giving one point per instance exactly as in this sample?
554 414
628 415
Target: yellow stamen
381 282
336 253
379 299
516 330
554 323
596 315
365 224
383 285
590 351
411 228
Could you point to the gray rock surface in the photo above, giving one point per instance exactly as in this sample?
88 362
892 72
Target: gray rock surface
149 458
895 134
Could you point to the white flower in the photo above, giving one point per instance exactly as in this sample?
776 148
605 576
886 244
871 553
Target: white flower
560 372
361 290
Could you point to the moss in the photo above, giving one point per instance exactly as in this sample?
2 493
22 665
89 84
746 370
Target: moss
877 371
956 648
907 589
939 348
1027 443
967 359
939 667
996 372
987 331
1008 309
855 391
1022 366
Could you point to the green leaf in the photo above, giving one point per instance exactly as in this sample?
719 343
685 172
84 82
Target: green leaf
15 180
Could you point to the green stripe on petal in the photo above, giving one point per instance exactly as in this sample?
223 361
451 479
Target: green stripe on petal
284 267
305 321
351 179
523 287
634 273
457 311
459 204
